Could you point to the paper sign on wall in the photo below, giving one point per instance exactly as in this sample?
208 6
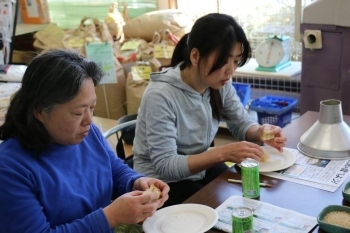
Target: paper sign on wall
102 54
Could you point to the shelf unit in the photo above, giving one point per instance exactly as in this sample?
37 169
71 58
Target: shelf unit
283 83
23 28
20 29
290 72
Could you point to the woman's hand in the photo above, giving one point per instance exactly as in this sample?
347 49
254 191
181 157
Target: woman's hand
278 141
144 183
238 151
131 208
135 206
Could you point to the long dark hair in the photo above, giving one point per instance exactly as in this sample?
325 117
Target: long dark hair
52 78
209 33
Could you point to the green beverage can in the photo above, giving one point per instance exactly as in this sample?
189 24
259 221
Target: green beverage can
250 178
242 220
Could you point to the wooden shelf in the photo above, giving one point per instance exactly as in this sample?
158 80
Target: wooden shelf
23 28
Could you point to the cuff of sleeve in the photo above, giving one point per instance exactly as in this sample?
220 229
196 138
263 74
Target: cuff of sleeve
132 180
99 221
183 163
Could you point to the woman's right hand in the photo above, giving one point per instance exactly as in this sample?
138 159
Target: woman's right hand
131 208
238 151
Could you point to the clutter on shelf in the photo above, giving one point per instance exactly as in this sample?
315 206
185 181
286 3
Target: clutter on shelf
35 11
12 73
6 91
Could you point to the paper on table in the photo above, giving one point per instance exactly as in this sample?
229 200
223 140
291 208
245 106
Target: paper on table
266 218
318 173
303 182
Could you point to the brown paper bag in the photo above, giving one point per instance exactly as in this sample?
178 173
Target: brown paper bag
161 37
115 22
49 38
134 92
89 30
126 54
145 25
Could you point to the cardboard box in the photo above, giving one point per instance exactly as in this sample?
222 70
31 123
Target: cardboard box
111 97
22 57
35 11
110 100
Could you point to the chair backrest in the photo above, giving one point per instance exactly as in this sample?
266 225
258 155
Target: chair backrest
129 132
120 147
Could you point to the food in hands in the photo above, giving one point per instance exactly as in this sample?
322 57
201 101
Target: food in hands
265 158
153 189
267 135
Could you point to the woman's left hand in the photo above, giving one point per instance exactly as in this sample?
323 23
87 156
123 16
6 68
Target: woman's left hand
144 183
279 141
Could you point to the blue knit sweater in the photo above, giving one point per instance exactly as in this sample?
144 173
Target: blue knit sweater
63 190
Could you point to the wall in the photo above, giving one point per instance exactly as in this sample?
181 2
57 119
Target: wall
163 4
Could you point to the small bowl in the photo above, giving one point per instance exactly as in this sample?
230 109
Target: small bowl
327 227
346 196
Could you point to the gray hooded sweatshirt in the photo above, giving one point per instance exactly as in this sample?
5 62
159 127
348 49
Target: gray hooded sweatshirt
175 121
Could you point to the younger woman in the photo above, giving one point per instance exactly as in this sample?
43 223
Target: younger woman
182 107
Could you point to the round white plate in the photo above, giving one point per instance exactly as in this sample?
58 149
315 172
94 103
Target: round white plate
277 161
184 218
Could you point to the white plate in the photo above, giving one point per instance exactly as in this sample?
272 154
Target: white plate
184 218
277 161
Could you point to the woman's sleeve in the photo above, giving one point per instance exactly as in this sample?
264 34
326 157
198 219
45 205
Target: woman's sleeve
239 120
20 210
161 136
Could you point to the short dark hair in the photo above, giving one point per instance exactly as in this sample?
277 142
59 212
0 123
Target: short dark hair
52 78
212 32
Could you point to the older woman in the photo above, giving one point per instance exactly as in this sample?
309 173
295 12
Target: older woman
57 172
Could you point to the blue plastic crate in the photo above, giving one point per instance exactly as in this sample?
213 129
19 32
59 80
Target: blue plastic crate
272 119
273 104
274 110
243 92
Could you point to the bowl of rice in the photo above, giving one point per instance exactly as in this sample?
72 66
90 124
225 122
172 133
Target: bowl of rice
346 192
334 219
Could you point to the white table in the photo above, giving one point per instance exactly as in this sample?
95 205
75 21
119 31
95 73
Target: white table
292 71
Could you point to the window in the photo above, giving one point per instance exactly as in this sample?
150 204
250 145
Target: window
258 18
68 13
